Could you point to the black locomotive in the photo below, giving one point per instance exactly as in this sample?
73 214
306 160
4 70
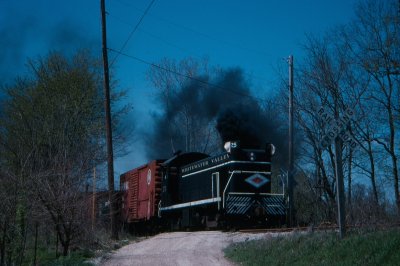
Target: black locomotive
194 190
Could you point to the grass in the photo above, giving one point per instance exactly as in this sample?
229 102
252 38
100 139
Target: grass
79 257
74 259
367 248
47 258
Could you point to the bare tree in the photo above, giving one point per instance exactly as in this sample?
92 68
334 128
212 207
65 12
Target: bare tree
181 120
8 207
357 66
327 88
375 39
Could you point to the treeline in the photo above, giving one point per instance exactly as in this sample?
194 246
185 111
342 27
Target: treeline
51 138
351 75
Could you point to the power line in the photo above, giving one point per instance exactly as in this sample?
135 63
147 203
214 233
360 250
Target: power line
226 43
133 31
174 45
185 76
125 3
150 34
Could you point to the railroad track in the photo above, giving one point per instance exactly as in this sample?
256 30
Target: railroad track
311 229
277 230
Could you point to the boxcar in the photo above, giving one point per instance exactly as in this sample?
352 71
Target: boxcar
141 192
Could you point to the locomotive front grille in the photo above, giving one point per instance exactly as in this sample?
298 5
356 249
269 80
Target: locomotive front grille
274 205
241 204
238 204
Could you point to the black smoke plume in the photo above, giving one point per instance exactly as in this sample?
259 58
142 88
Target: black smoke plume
244 123
25 33
227 106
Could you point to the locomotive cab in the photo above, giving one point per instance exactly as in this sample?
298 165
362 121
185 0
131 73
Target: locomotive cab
170 194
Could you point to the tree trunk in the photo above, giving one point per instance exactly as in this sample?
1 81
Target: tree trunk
325 181
349 178
373 178
65 248
64 240
396 183
36 237
393 156
3 244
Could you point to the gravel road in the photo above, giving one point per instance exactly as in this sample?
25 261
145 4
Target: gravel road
179 248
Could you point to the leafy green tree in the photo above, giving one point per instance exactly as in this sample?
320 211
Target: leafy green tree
52 134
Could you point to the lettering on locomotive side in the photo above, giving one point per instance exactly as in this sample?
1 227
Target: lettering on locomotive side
195 166
204 164
219 158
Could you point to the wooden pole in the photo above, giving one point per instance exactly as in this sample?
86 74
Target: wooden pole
339 177
110 160
291 146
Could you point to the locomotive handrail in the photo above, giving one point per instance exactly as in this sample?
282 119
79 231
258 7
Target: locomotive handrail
251 193
283 184
223 164
159 209
252 172
190 204
226 187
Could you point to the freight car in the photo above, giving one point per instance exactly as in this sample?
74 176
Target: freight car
194 190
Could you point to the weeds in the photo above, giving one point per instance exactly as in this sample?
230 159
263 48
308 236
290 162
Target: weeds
358 248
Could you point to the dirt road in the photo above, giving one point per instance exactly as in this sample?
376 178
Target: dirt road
179 248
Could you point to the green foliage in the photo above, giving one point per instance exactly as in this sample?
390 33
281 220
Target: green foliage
373 248
55 112
51 136
47 257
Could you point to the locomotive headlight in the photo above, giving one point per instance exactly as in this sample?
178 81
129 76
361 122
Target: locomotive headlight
270 149
227 147
231 145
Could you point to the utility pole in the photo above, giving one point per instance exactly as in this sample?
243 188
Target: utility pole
110 160
291 150
339 177
94 199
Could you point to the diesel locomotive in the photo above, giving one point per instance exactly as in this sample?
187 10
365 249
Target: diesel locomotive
194 190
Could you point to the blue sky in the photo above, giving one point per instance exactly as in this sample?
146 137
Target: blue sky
254 35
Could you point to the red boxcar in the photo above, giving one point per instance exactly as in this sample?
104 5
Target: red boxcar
141 189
